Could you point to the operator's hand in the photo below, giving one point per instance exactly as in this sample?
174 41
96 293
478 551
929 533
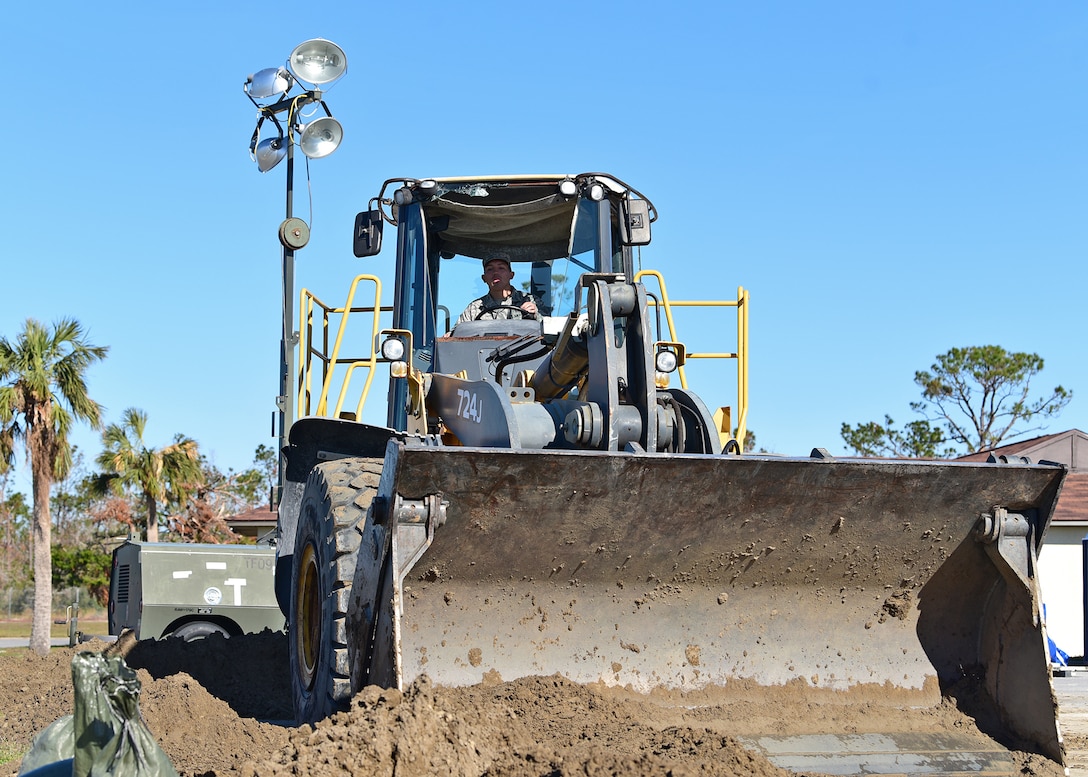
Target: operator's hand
529 307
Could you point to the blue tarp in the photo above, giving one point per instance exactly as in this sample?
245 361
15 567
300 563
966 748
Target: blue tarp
1057 655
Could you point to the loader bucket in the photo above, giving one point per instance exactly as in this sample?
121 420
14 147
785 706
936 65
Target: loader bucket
687 573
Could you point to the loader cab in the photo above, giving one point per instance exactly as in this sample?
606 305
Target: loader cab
553 229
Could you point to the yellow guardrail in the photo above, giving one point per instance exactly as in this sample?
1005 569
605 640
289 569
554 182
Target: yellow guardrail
741 303
314 359
318 363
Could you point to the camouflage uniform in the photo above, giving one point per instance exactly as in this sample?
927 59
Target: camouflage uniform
488 303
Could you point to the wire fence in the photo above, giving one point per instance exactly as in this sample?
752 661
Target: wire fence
18 601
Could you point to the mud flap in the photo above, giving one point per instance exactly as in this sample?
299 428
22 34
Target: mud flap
686 572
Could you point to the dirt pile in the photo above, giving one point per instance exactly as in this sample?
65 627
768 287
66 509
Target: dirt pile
221 708
209 705
534 726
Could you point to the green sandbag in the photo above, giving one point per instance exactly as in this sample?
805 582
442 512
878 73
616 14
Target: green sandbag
106 735
51 750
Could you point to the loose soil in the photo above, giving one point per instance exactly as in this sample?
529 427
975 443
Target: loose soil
221 708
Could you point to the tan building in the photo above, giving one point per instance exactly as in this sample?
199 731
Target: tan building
1061 564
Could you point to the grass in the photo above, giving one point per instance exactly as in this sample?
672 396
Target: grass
10 754
92 623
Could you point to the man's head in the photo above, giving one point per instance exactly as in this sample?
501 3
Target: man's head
497 275
497 258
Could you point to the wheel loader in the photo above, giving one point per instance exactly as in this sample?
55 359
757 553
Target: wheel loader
544 499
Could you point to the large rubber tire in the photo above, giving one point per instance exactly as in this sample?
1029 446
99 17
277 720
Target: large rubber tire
334 504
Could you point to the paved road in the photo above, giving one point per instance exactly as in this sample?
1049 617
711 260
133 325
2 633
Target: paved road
16 642
1072 693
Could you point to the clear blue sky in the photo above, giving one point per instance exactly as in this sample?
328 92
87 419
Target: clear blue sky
888 180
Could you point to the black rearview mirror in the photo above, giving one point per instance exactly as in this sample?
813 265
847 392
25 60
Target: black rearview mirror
635 224
368 233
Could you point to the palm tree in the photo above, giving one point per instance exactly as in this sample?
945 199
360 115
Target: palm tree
43 392
167 474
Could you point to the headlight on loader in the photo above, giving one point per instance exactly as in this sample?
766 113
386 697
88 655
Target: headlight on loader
668 357
393 350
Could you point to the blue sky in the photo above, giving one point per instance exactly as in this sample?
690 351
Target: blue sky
888 180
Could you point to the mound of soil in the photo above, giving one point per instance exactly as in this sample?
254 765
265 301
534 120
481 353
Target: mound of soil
212 704
222 708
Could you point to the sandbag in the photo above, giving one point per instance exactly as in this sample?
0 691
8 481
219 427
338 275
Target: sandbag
51 750
105 735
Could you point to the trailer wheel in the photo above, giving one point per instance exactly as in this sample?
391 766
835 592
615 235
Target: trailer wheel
334 503
195 630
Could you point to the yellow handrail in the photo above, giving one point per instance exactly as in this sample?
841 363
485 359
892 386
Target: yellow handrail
329 362
741 303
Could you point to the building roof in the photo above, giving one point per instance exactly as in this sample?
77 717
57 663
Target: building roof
256 515
1073 501
1069 448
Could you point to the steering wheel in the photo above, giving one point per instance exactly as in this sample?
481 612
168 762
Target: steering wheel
524 313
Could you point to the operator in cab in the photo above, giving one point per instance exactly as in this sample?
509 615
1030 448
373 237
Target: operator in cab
502 300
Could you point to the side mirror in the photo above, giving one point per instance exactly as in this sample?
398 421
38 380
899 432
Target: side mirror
368 233
635 224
